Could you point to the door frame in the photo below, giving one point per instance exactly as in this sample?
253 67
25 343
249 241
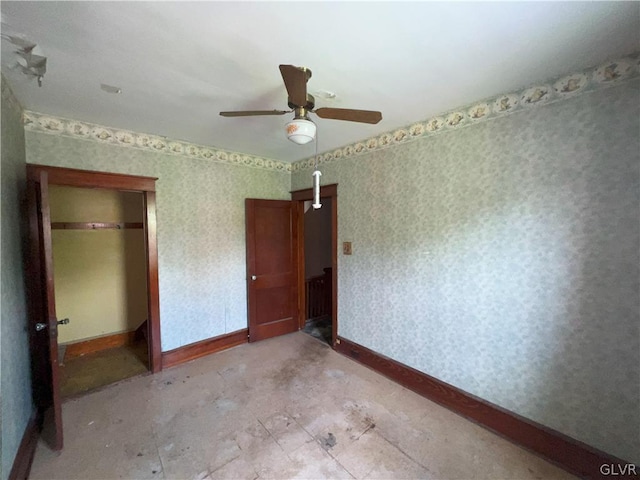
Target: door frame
299 197
130 183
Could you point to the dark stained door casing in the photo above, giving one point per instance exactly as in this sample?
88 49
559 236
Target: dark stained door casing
272 270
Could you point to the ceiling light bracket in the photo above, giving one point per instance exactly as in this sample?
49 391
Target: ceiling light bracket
301 113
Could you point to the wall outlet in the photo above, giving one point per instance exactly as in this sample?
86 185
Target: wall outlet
346 248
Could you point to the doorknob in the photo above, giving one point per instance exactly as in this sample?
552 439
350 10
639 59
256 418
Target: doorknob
253 277
42 326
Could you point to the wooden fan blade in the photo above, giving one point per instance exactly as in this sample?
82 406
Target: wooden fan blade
249 113
295 79
363 116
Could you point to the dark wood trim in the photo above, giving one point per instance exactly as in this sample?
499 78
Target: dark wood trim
92 179
333 193
153 288
33 261
307 193
56 439
250 248
94 225
116 181
299 197
296 240
78 349
299 252
562 450
204 347
27 449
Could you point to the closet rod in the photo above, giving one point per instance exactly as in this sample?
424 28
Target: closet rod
94 225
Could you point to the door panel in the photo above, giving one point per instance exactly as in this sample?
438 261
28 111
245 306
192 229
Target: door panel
276 302
43 324
271 268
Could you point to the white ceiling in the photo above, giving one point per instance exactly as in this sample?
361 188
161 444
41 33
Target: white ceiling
179 64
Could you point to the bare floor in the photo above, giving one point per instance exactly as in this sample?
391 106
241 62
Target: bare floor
98 369
288 407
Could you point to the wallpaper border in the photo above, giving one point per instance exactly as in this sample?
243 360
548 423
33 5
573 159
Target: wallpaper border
544 93
50 124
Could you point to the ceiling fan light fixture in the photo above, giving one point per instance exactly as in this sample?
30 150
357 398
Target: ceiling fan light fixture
301 131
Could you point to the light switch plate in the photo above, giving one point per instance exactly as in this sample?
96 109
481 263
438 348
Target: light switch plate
346 248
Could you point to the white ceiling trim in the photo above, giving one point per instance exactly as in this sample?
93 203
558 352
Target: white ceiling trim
52 125
563 88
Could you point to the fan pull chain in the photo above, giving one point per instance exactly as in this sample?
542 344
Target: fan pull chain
316 179
315 163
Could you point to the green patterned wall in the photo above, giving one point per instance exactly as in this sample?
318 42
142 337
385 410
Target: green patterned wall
201 227
495 246
14 341
503 258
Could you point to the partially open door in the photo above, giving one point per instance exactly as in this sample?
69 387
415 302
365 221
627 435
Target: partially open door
272 271
43 324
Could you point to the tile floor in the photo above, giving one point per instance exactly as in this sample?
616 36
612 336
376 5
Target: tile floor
288 407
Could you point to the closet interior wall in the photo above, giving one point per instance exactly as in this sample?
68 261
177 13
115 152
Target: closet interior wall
99 262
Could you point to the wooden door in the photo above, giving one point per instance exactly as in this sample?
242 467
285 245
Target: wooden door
43 324
117 181
272 276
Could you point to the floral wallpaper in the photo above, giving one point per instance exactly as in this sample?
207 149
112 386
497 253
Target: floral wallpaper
495 246
503 259
150 143
559 89
201 227
14 341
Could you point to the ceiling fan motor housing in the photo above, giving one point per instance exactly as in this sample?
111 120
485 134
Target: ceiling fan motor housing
311 102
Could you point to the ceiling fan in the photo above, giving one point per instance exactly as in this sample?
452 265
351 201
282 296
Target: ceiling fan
302 130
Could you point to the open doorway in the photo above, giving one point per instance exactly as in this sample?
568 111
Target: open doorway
100 277
317 233
43 319
318 270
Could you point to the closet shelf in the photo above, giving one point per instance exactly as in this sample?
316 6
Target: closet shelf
94 225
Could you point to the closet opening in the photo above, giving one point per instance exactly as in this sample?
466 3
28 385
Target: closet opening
44 322
100 277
